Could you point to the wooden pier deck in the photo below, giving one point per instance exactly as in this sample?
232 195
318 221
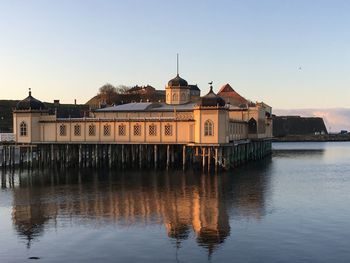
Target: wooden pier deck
163 156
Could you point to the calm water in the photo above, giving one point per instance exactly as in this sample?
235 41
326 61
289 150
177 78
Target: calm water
292 207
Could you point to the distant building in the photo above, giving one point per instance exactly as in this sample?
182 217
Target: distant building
141 90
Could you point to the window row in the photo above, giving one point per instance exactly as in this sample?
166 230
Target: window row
175 97
137 130
77 130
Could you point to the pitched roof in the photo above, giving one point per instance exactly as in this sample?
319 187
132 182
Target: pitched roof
134 106
231 96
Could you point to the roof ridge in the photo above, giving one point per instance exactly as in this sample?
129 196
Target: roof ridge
227 85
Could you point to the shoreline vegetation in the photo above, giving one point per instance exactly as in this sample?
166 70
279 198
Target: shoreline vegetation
314 138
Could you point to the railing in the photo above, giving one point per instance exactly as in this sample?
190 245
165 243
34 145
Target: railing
7 137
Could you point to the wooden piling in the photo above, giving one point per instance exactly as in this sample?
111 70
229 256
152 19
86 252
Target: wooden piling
140 155
109 155
209 157
167 156
183 157
216 159
155 156
203 158
80 155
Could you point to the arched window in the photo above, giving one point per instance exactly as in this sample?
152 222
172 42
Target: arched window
168 130
183 96
23 129
252 126
137 130
107 130
208 128
121 130
92 130
77 130
174 97
152 130
63 130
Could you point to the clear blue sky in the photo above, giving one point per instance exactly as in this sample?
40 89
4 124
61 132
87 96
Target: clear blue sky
68 49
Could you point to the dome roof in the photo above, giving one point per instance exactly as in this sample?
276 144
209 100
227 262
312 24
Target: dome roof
177 82
30 103
211 100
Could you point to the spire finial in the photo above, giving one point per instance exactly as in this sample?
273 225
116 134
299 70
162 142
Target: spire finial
211 86
177 64
30 92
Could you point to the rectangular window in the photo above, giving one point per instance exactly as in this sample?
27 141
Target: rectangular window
122 130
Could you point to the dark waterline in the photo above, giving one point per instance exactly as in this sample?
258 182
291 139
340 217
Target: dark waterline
292 207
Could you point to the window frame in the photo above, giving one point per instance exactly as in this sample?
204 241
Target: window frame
170 129
152 130
107 130
122 129
137 132
92 129
77 130
208 128
23 129
63 130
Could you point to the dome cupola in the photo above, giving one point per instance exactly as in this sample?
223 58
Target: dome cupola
177 82
30 103
211 99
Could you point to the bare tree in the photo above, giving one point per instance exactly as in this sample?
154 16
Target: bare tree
108 92
107 89
122 89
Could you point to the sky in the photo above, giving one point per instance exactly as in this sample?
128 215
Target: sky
289 54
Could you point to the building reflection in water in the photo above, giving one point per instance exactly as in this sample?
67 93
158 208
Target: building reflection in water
184 203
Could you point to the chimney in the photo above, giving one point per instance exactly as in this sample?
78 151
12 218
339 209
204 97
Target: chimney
56 103
75 101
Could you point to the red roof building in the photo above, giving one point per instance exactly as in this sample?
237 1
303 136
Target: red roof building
231 96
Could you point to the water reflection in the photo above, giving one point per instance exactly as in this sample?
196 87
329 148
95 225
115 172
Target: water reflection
187 204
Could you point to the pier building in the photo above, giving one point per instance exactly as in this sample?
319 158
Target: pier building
221 129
